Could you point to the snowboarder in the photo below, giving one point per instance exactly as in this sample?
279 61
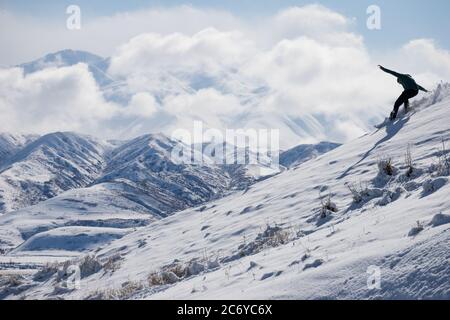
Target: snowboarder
411 90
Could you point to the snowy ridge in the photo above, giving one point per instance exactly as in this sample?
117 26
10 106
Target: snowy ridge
10 144
47 167
98 66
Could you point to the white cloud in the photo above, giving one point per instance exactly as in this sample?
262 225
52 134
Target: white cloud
203 102
142 104
310 76
208 50
302 70
101 35
425 58
313 21
50 100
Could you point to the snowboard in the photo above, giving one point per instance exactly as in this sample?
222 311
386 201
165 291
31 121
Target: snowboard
400 115
383 124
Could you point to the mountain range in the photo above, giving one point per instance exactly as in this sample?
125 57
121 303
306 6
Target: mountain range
65 179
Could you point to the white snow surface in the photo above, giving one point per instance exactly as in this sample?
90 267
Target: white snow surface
275 241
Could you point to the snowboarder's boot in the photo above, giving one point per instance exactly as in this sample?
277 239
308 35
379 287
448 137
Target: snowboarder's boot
392 116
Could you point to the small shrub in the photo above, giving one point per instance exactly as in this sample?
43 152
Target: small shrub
272 236
46 272
113 263
155 279
195 268
168 275
127 290
416 230
327 206
386 167
12 280
409 162
443 166
89 265
178 269
359 192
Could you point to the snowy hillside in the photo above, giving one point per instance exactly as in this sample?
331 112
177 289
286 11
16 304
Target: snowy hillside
48 166
101 208
310 232
305 152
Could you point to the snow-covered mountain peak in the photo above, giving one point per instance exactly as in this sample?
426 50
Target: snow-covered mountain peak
153 146
62 144
62 59
97 65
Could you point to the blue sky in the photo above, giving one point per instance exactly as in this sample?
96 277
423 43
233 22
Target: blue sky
402 20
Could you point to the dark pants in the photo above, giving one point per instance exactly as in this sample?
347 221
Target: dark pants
403 99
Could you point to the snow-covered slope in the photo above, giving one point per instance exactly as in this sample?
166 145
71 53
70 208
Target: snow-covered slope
305 152
106 205
12 143
282 238
48 166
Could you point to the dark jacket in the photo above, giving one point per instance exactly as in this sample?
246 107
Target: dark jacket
405 80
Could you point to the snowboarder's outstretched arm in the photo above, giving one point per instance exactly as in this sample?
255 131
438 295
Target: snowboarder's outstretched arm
422 88
395 74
